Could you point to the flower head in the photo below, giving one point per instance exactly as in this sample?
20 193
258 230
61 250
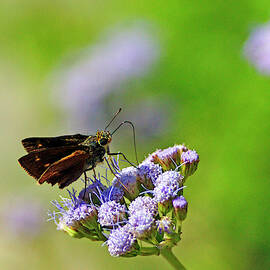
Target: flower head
180 206
93 192
149 172
169 158
128 179
121 241
142 223
74 216
167 186
111 213
143 203
190 160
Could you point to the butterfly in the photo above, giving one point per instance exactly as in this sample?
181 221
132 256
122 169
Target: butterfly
62 160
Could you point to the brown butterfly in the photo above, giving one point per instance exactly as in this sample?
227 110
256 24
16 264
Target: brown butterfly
64 159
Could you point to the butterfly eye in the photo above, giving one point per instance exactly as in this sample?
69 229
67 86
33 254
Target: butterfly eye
103 141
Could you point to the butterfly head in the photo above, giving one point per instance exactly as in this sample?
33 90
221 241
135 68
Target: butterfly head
103 137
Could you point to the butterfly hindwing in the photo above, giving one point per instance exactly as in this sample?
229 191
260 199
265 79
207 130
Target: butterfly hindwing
34 143
38 161
66 170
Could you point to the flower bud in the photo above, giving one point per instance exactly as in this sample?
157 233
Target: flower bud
169 158
190 160
180 206
89 195
149 172
128 179
165 225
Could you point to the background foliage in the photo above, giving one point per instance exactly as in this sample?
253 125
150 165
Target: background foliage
219 106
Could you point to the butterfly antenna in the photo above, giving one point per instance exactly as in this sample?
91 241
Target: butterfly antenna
134 138
120 109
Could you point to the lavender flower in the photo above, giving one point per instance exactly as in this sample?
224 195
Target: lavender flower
149 172
169 178
167 186
128 179
142 223
143 203
75 216
257 48
111 213
190 160
180 206
169 158
121 241
154 216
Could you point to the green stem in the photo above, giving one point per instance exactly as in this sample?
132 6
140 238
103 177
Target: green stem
171 259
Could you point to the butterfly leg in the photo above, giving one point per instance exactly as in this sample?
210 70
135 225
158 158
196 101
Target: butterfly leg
95 176
86 180
85 184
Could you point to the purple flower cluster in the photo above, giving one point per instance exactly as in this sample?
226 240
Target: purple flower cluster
144 202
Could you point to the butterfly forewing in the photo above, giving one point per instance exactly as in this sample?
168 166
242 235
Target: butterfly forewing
38 161
35 143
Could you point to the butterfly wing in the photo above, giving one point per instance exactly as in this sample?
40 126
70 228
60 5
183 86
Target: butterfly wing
35 143
66 170
38 161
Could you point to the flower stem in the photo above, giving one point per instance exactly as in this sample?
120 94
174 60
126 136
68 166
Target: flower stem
171 259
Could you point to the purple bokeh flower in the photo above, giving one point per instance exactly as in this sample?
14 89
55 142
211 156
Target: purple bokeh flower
21 217
257 48
83 87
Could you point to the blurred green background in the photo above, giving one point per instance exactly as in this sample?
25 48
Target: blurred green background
218 105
